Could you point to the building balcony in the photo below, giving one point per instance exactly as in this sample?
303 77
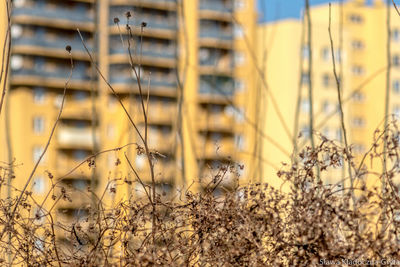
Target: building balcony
162 33
216 33
215 122
216 66
216 88
215 5
155 4
58 17
57 74
215 38
47 47
148 51
167 23
148 58
75 138
215 11
156 84
54 13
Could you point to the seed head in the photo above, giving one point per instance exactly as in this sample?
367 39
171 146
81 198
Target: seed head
68 48
116 20
128 14
144 24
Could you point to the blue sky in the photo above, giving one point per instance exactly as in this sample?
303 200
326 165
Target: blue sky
271 10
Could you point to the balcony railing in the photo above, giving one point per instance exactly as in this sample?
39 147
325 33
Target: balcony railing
76 15
216 88
215 6
147 51
167 23
76 75
47 43
216 33
154 82
68 136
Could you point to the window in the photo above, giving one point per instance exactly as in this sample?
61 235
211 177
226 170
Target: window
19 3
239 4
38 125
239 58
396 35
39 185
396 111
239 115
358 148
16 62
357 45
38 95
238 31
239 142
80 155
357 70
358 97
396 86
326 54
304 78
80 96
326 107
326 80
305 105
216 137
239 85
58 101
396 61
305 51
358 122
356 18
16 31
338 55
36 152
338 134
305 131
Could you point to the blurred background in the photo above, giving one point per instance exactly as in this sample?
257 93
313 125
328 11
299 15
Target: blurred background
240 83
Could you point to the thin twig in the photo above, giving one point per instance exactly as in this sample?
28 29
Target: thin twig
339 95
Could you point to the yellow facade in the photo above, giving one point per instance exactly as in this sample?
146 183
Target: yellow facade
209 45
362 67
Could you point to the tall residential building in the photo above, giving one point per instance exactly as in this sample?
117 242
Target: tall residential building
195 59
360 41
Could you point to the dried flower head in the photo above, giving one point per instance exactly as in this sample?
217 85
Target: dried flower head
116 20
68 48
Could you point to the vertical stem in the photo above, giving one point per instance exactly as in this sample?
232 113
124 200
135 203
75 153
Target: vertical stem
341 78
299 94
310 84
387 95
339 95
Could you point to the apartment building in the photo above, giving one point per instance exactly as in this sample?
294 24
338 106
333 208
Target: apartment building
195 63
359 37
